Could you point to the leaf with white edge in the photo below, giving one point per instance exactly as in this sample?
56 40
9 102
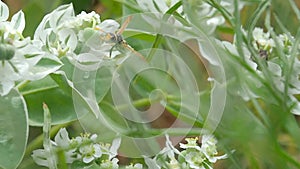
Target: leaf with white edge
275 69
52 20
18 21
69 38
4 12
44 67
61 14
161 5
147 5
42 30
82 103
208 51
13 129
87 58
59 102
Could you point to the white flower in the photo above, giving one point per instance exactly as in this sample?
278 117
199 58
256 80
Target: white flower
83 20
43 158
191 143
15 64
21 58
90 17
110 164
209 148
218 20
262 40
135 166
94 137
195 159
90 152
111 149
174 164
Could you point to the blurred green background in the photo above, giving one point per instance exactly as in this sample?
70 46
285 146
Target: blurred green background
35 10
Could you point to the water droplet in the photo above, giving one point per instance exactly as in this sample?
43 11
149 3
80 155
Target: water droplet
6 98
86 75
16 102
4 138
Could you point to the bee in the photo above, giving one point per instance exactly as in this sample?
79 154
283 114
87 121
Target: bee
263 54
118 40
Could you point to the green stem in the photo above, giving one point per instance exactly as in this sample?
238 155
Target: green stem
22 84
176 131
287 157
223 11
158 38
39 90
137 103
145 102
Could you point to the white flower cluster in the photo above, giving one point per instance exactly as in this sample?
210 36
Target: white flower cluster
86 150
83 148
80 38
83 20
262 41
21 57
134 166
193 155
267 50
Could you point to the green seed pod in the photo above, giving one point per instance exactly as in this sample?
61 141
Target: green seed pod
7 51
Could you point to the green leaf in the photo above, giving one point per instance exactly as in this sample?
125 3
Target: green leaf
81 103
103 82
59 101
13 129
44 67
110 122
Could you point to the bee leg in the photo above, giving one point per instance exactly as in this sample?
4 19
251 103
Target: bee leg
111 50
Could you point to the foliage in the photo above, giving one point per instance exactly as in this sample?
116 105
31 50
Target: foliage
226 70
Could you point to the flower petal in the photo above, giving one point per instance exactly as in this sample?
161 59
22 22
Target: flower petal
88 159
97 149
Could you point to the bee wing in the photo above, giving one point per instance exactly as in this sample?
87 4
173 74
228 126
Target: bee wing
124 25
100 30
105 36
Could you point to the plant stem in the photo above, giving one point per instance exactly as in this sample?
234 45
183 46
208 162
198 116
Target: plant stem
145 102
176 131
22 84
159 37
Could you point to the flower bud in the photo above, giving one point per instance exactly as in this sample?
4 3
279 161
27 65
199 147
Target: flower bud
7 51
